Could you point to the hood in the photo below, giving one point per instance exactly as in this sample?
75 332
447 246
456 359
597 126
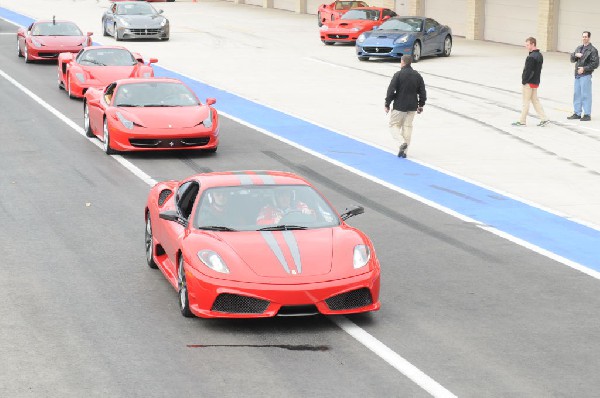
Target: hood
60 41
167 117
143 21
280 254
350 23
105 75
385 36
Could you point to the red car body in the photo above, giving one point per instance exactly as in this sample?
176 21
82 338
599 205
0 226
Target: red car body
335 10
353 23
45 40
77 73
248 271
150 123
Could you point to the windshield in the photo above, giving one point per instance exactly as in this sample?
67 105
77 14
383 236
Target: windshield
135 9
154 94
107 56
263 207
372 15
346 5
403 24
57 29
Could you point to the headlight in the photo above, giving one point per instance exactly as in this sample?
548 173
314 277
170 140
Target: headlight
80 77
400 40
361 38
164 22
124 22
208 121
36 43
355 29
324 27
361 257
213 261
127 123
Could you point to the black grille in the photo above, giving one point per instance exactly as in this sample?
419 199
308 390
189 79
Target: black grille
168 143
377 50
294 310
338 36
145 32
48 55
162 197
349 300
236 304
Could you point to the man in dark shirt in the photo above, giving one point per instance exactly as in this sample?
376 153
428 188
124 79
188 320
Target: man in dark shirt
586 61
530 80
407 91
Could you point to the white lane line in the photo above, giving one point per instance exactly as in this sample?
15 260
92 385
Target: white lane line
124 162
362 336
401 364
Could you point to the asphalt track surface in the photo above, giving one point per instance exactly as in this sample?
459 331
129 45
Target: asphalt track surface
83 315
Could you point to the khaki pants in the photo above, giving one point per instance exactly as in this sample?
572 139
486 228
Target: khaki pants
401 126
530 96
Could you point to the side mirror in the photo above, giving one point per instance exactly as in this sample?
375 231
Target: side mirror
351 212
431 30
210 101
169 215
67 60
152 61
90 33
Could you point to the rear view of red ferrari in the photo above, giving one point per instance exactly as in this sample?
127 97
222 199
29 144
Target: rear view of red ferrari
253 244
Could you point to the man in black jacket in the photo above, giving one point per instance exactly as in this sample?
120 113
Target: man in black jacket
407 90
531 81
586 61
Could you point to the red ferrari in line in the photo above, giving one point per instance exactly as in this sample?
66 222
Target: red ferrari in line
254 244
150 114
353 23
46 39
99 66
335 10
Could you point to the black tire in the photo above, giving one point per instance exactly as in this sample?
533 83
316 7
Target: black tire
182 292
319 22
86 121
60 84
363 58
416 52
19 52
447 50
68 88
211 150
104 32
26 55
116 33
165 39
149 242
329 43
107 149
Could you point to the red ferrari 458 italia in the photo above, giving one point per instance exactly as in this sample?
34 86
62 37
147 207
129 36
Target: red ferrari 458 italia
46 39
99 66
353 23
150 114
335 10
253 244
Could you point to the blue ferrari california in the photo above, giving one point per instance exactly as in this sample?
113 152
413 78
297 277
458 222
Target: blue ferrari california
416 36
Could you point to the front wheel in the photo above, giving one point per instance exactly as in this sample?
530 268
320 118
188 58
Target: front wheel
447 47
328 43
107 149
26 54
363 58
184 301
116 33
319 21
19 52
149 240
69 87
86 121
416 53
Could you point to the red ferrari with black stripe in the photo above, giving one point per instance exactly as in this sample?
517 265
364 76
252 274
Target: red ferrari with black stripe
252 244
46 39
150 114
99 66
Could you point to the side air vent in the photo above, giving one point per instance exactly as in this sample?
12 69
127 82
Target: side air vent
350 300
163 196
236 304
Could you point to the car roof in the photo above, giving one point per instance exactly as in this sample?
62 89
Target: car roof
247 177
149 80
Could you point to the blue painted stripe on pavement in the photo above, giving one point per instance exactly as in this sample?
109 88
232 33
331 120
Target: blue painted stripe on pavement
561 236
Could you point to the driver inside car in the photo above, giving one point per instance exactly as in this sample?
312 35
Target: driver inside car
284 203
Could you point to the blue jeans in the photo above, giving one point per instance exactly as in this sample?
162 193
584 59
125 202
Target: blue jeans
582 95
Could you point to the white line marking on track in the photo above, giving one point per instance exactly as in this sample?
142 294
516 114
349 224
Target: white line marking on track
361 335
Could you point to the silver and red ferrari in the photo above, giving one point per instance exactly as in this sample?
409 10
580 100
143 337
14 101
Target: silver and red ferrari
45 40
252 244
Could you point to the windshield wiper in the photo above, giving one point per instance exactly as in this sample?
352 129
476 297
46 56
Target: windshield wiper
93 61
129 105
216 228
283 227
